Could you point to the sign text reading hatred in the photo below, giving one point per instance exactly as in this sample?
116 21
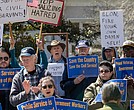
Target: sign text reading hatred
48 11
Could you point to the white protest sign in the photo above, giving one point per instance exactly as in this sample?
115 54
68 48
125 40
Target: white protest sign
1 34
56 69
47 11
111 22
13 11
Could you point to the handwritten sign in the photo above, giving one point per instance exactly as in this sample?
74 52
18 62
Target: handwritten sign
1 34
124 67
6 76
131 104
13 11
39 104
87 65
57 69
122 85
111 22
68 104
48 11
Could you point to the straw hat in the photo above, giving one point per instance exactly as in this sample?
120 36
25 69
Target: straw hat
55 43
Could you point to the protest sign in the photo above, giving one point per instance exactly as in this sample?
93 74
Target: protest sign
124 67
1 34
131 104
87 65
13 11
47 11
111 23
122 85
57 69
39 104
6 76
69 104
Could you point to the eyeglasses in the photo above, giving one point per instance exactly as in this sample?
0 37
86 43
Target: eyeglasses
5 58
105 71
49 86
125 49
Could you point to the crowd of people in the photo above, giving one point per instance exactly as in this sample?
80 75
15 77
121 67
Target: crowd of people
33 81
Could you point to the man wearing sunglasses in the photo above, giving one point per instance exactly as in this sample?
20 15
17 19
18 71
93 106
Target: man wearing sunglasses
7 60
128 49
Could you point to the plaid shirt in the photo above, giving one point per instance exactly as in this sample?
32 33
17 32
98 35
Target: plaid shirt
34 81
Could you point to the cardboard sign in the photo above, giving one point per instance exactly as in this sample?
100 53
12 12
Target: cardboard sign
87 65
39 104
111 22
122 85
1 34
6 76
68 104
13 11
48 11
57 69
124 67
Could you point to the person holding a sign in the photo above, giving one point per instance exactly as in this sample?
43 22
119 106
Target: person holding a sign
7 60
47 87
111 97
56 48
74 87
105 74
25 83
128 49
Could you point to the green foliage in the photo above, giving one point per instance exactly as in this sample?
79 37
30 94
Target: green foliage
25 33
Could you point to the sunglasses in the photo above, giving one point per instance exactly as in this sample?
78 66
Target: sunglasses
5 58
49 86
125 49
105 71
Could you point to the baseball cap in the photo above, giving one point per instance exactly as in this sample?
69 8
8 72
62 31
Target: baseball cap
27 51
82 43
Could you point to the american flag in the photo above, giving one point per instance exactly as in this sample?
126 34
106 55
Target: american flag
32 3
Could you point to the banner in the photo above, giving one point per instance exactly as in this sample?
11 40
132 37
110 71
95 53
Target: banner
87 65
39 104
124 67
111 22
57 69
13 11
68 104
122 85
47 11
1 34
6 76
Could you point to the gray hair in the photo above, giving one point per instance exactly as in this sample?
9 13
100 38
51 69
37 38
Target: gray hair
110 92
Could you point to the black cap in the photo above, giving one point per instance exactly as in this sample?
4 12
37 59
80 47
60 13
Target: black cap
27 51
